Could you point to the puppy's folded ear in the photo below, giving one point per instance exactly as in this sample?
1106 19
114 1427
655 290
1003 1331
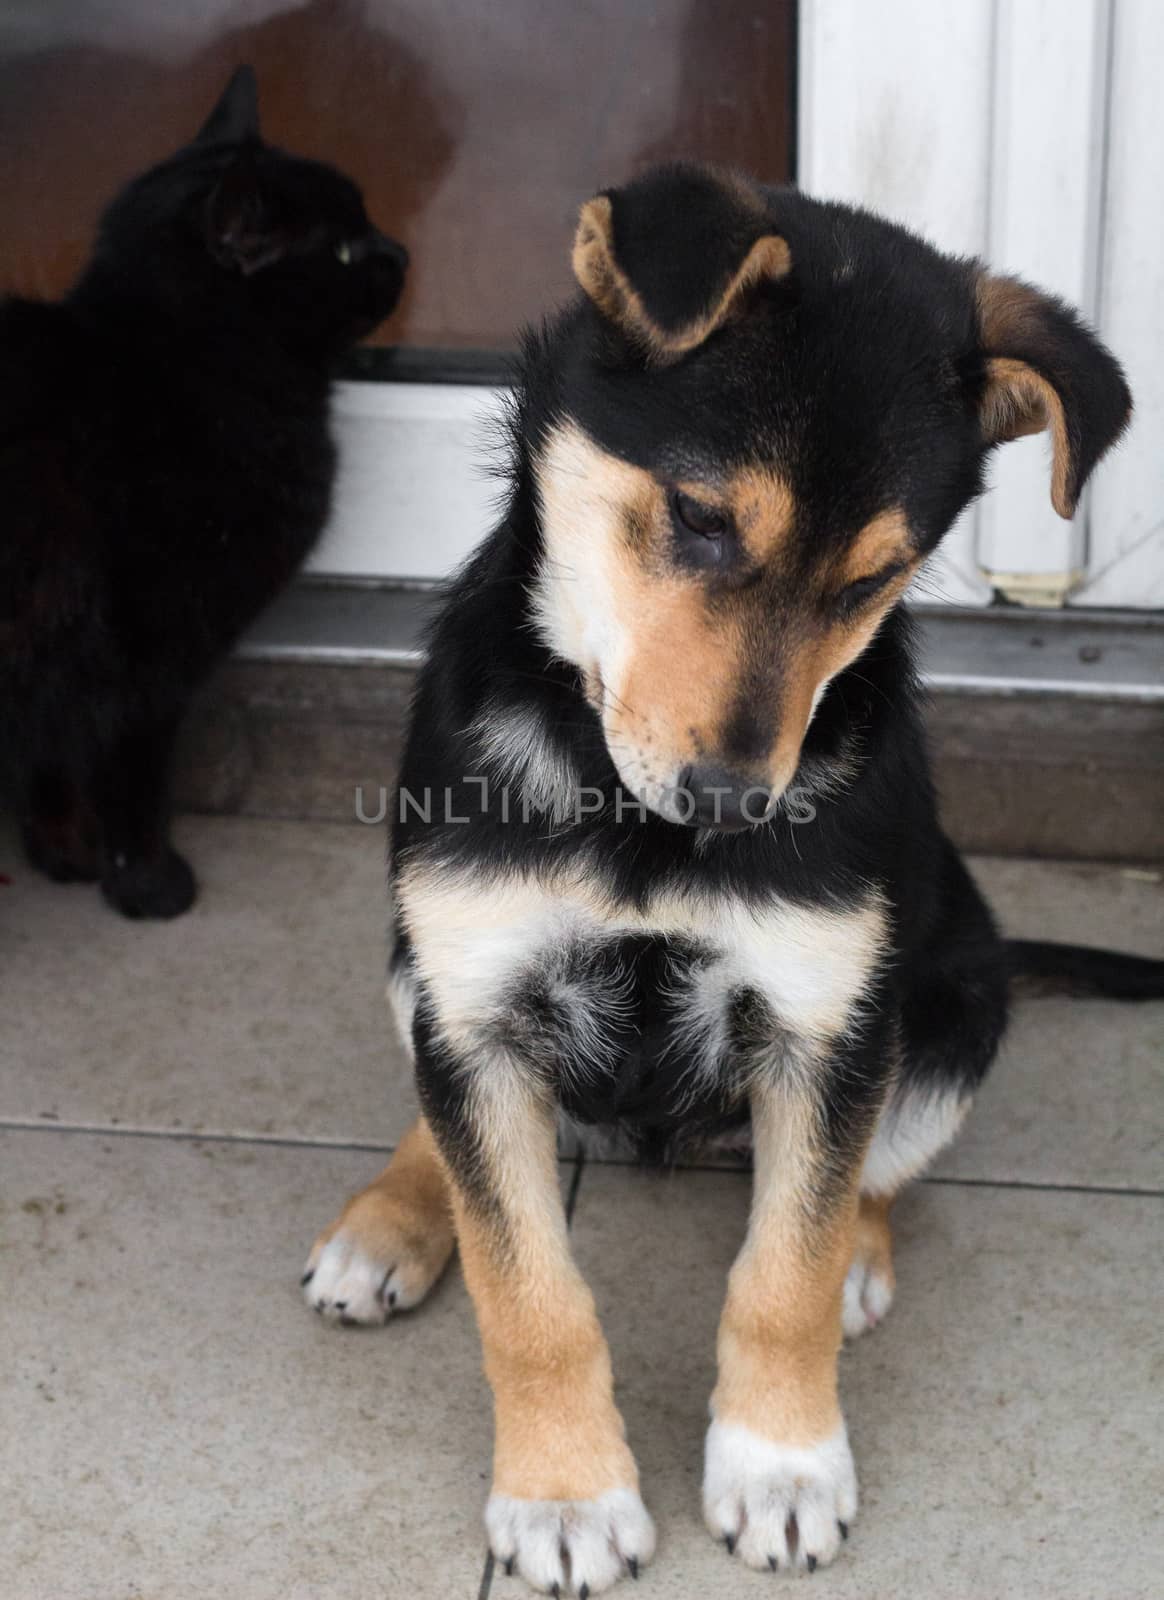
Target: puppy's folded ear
1044 369
670 256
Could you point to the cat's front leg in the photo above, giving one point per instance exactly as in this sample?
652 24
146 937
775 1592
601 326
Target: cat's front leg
142 875
59 829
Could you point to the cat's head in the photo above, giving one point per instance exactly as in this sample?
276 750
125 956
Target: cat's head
231 219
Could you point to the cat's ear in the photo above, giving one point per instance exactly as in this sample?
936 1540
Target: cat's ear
236 116
674 254
241 231
1046 370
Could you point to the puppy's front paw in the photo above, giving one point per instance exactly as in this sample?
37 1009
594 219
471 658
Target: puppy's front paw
778 1506
571 1546
380 1258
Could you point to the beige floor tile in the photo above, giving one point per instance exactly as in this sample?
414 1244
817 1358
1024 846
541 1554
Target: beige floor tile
174 1423
1077 1094
1005 1419
1079 902
262 1011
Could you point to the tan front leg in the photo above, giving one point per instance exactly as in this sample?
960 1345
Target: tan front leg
390 1243
779 1484
565 1507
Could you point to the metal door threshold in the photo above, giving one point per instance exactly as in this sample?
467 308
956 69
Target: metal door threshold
1001 651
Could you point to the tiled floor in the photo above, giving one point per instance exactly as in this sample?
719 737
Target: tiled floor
183 1106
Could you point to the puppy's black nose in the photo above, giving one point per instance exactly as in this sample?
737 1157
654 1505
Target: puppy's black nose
722 799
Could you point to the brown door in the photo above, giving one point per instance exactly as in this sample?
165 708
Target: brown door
476 127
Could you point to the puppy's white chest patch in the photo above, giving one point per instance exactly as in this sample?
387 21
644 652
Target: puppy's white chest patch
477 940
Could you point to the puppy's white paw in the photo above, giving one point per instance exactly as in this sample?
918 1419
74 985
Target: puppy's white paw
564 1546
868 1296
345 1284
778 1506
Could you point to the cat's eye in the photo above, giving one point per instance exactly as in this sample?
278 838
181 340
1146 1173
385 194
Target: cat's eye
343 253
697 517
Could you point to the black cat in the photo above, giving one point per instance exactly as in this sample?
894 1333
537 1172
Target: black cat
165 466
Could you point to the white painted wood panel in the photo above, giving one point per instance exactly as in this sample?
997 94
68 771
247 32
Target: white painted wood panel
414 492
1126 554
1050 85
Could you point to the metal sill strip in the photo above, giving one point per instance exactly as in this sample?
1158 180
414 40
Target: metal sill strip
1003 651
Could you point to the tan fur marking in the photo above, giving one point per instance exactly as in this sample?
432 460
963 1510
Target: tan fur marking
405 1212
1009 312
764 511
873 1241
559 1435
1017 401
816 662
597 269
880 543
681 679
781 1326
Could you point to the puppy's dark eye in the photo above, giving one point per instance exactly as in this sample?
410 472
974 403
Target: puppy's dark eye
696 517
854 595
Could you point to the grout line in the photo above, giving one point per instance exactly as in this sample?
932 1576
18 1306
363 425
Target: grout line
575 1185
1048 1188
290 1142
189 1136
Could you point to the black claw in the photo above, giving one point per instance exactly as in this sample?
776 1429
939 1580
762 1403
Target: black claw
730 1540
810 1561
508 1566
341 1305
632 1566
584 1592
844 1527
392 1299
773 1563
556 1592
307 1277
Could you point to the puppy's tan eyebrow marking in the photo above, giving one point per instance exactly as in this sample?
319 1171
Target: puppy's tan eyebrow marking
764 510
882 543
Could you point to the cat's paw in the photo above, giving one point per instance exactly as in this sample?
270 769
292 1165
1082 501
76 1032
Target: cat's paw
159 888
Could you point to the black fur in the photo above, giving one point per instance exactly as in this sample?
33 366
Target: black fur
165 467
860 376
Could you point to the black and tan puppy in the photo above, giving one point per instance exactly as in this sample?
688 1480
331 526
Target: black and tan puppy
669 856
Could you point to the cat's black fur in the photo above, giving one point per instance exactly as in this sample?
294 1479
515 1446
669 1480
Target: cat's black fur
165 467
